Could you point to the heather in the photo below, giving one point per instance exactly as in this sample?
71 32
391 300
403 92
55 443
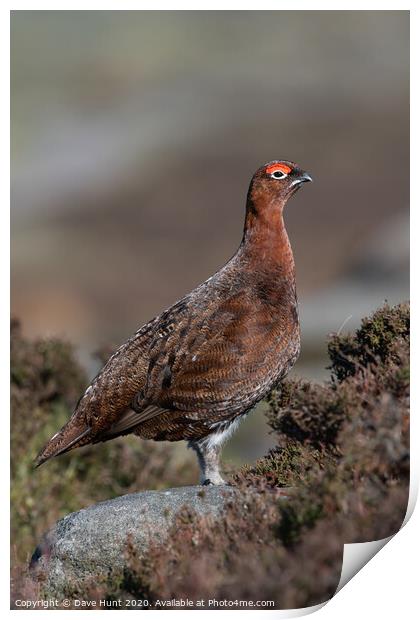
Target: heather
341 457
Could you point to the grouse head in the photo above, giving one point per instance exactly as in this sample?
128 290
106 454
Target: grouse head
275 183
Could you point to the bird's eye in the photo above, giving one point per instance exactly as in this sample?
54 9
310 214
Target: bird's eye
278 174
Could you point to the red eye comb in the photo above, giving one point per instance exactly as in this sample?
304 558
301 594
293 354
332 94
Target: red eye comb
278 167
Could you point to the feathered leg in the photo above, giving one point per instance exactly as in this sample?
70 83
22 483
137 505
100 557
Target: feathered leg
208 454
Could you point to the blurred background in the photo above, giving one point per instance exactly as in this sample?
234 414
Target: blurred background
134 138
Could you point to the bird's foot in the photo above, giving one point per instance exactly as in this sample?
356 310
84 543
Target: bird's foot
214 480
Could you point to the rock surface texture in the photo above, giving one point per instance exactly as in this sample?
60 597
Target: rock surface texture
91 542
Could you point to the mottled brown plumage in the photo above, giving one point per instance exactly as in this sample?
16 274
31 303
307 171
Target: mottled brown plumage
194 370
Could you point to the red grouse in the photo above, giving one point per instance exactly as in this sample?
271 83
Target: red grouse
195 370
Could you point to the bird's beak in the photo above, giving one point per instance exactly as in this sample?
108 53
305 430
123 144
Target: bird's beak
304 177
301 177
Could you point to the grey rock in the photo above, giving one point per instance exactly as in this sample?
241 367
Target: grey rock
91 542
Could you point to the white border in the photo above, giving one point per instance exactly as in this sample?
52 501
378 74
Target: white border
388 584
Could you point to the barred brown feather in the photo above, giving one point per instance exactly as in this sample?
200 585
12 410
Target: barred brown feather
214 354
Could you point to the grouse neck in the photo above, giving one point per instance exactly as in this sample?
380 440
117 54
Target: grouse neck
265 240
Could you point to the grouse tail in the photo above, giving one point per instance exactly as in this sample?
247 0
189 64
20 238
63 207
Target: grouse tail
73 435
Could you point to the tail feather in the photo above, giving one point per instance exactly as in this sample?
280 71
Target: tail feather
72 435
